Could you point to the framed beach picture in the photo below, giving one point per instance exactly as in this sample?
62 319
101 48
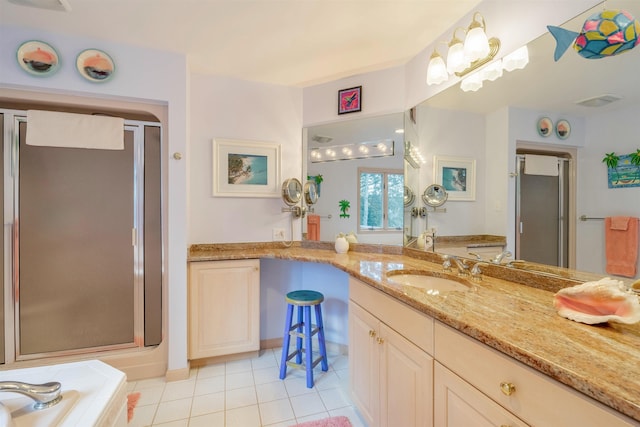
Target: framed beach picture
350 100
457 175
246 168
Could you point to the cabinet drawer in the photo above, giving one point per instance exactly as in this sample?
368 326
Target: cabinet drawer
537 399
415 326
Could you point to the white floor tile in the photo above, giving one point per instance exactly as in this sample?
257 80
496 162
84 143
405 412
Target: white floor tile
276 411
245 393
240 397
239 380
307 404
209 385
248 416
271 391
178 390
209 420
207 404
173 410
211 371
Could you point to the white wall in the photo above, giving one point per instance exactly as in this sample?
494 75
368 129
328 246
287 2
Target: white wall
453 133
229 108
612 131
142 75
382 92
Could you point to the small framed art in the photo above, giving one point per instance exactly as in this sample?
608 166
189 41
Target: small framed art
457 175
350 100
246 168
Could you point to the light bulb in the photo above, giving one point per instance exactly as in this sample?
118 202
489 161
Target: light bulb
437 70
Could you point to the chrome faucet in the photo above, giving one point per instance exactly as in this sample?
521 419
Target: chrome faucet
45 395
463 268
476 273
498 258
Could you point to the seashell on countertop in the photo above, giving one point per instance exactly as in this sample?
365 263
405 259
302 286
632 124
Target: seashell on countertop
598 302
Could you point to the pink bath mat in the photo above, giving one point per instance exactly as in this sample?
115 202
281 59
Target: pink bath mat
327 422
132 401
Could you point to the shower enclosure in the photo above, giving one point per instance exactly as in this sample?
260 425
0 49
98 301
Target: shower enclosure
82 244
542 215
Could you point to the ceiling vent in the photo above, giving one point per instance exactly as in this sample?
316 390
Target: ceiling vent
59 5
598 101
321 139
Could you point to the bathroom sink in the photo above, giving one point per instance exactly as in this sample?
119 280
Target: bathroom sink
433 282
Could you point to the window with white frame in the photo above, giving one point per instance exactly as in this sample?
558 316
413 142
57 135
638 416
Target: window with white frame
380 200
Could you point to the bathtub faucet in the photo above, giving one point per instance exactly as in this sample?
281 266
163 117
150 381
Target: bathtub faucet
45 395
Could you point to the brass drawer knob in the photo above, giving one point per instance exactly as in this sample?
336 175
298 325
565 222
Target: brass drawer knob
507 388
372 333
380 340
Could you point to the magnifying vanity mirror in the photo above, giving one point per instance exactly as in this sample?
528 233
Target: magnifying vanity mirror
409 196
291 191
435 195
310 193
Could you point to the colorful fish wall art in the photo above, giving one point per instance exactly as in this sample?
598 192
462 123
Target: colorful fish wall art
603 34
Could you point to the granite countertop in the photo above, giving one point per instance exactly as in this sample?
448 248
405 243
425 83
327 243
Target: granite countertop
510 311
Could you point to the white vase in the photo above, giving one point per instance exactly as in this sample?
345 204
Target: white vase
342 246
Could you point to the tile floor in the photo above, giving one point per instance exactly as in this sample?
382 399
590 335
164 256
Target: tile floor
245 393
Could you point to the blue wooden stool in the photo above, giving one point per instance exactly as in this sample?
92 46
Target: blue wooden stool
303 330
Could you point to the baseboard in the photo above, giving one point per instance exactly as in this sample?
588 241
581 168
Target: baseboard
221 359
177 374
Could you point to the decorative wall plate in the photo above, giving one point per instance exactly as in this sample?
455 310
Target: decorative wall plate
38 58
545 126
95 65
563 129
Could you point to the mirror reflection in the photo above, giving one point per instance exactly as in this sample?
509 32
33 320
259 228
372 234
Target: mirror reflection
555 177
361 189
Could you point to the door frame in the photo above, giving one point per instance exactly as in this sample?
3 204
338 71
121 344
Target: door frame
571 154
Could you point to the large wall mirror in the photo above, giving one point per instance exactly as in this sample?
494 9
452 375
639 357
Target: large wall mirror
498 126
346 153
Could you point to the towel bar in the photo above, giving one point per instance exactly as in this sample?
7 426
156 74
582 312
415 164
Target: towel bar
588 218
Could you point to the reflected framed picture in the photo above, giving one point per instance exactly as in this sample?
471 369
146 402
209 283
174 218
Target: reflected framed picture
95 65
457 175
563 129
350 100
545 126
245 168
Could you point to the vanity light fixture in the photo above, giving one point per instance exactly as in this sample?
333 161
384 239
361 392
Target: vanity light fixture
359 150
413 155
516 60
463 58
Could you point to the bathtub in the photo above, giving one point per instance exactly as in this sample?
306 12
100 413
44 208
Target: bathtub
93 395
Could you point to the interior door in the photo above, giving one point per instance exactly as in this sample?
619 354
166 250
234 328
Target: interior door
76 257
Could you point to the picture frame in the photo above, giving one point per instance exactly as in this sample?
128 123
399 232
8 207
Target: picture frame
457 175
245 168
350 100
563 129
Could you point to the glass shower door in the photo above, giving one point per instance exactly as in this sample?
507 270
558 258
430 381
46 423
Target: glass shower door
76 248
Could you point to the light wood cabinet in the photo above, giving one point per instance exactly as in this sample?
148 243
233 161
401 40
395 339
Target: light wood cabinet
522 391
224 307
391 376
458 404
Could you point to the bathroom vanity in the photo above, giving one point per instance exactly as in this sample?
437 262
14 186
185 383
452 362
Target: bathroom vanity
93 395
498 348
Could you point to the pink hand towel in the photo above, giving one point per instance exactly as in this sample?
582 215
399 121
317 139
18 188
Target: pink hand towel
621 245
313 227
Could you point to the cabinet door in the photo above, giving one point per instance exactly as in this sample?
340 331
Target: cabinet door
406 382
458 404
224 308
364 362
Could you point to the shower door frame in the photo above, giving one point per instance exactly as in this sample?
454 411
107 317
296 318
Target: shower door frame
11 238
566 222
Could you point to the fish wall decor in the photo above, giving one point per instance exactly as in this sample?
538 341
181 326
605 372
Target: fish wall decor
603 34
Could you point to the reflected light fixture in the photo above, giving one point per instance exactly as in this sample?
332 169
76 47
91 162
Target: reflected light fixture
457 61
359 150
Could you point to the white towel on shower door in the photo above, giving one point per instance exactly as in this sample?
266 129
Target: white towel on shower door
540 165
55 129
